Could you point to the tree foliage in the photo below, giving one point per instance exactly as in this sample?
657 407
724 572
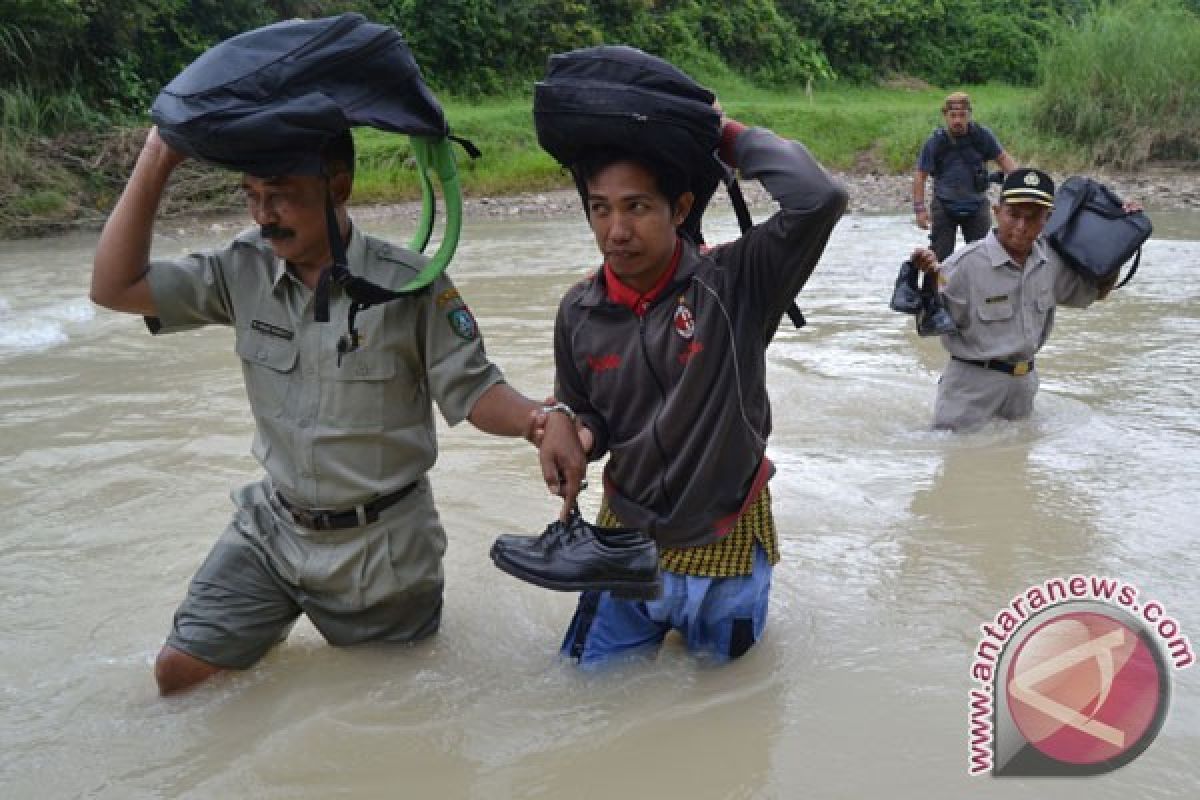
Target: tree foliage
116 54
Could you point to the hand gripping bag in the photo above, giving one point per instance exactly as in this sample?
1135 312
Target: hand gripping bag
1092 232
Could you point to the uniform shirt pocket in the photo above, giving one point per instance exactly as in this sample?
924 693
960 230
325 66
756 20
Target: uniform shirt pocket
269 364
995 311
358 392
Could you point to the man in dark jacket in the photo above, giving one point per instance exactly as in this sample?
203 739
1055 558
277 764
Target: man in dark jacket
661 354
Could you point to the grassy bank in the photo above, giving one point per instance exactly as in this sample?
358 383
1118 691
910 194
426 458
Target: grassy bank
57 176
1101 101
847 128
71 179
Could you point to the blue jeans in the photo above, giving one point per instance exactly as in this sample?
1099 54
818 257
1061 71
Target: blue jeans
720 618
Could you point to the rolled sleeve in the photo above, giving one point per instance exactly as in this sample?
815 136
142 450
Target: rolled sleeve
190 293
991 145
456 364
925 161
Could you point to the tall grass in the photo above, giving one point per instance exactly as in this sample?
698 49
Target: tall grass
846 127
35 191
1124 83
24 113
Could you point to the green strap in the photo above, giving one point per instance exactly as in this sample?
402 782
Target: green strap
437 156
420 239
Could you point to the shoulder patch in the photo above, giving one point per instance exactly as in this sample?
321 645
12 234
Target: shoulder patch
462 321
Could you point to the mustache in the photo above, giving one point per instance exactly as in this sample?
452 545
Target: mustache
273 231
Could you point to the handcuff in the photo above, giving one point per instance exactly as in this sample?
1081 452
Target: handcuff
562 408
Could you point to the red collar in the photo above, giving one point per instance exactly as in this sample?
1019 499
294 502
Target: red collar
630 298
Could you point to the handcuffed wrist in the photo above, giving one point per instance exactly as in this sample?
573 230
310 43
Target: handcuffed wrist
561 408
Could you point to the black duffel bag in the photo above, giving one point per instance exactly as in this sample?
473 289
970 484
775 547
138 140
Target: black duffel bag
266 101
619 97
1093 233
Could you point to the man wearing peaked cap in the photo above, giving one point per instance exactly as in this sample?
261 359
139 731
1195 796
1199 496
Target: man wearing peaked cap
1028 185
1002 291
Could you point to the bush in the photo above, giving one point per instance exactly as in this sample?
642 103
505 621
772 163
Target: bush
943 42
1126 104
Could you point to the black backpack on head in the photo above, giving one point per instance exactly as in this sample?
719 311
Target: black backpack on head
615 96
1091 231
619 97
265 102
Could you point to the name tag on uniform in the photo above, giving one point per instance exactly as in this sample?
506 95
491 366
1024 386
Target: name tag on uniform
996 298
271 330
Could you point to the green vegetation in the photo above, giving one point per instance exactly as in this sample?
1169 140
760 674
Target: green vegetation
1068 84
1125 84
118 53
853 128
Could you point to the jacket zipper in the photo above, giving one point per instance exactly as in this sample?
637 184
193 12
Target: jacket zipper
662 393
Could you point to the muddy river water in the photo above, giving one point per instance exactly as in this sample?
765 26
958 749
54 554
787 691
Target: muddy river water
118 451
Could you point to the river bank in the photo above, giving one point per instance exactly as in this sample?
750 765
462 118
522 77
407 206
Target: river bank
1161 188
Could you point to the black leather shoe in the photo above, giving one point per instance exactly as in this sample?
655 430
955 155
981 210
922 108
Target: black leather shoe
933 319
575 556
906 298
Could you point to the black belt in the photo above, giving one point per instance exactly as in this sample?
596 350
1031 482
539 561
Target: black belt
1017 368
326 519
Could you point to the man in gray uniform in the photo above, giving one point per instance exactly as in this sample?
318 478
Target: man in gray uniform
1002 291
343 526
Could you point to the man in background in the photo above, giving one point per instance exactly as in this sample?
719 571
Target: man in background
956 155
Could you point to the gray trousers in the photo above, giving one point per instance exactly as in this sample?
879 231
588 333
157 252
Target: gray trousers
943 229
379 582
968 396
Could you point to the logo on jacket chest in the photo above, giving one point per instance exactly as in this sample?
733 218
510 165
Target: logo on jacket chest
685 320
